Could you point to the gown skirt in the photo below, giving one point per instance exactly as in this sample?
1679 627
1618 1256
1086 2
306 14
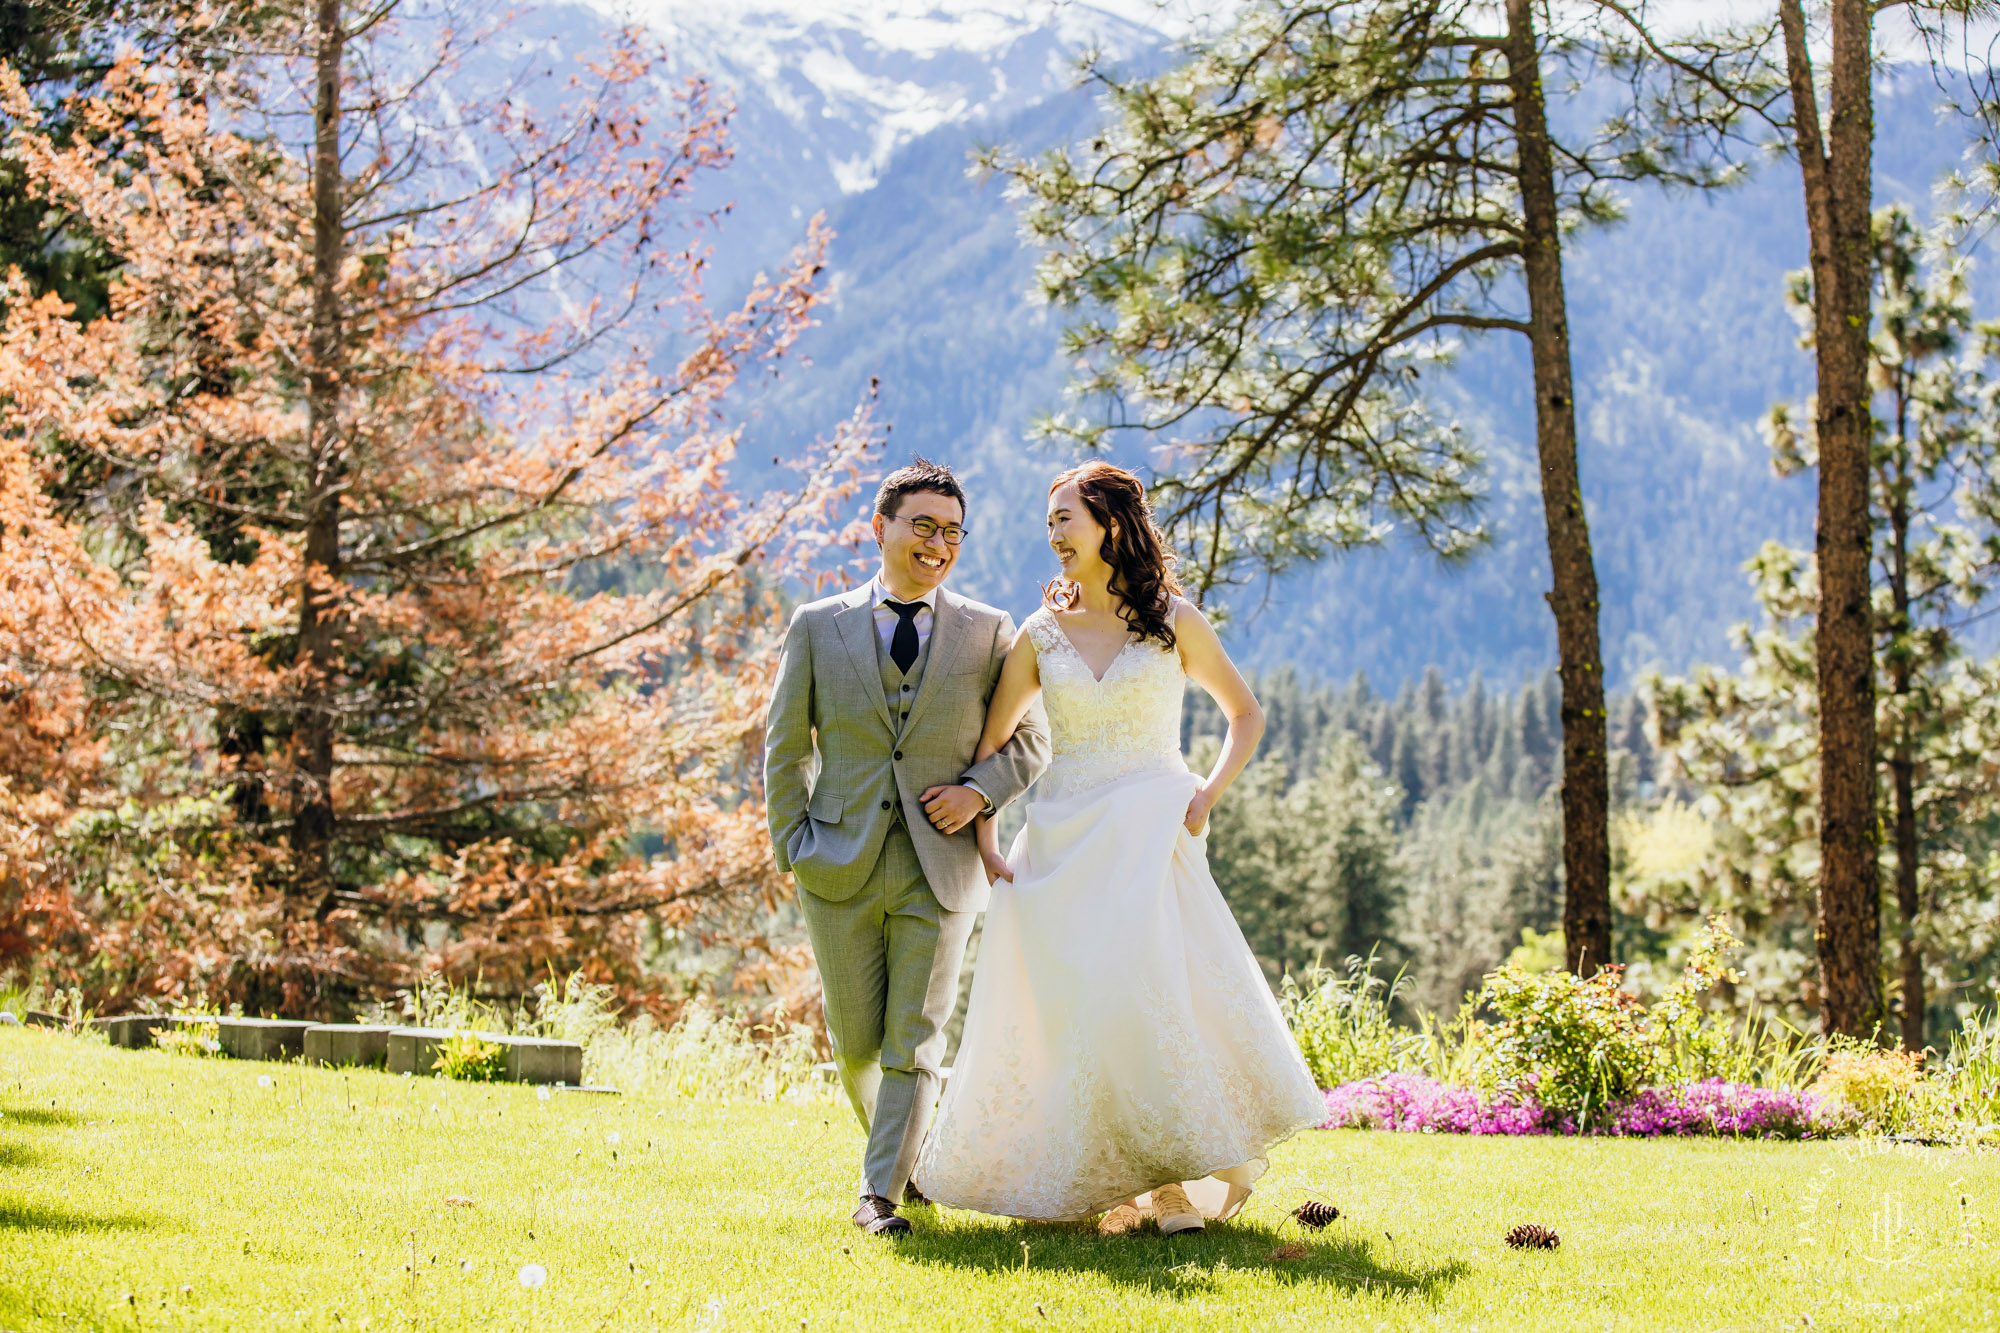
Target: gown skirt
1120 1033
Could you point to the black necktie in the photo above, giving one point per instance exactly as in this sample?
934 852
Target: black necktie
903 645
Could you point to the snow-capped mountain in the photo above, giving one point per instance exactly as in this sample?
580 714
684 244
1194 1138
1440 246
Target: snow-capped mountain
855 81
827 92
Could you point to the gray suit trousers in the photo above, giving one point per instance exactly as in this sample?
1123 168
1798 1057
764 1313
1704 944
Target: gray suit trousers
889 959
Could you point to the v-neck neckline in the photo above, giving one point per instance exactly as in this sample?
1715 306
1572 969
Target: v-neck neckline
1094 677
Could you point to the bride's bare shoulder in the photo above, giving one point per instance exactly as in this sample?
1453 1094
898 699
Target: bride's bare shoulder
1194 638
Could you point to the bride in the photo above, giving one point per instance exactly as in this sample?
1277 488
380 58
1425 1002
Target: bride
1122 1053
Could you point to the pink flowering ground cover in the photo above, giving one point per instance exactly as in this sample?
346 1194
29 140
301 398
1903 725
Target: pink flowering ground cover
1416 1103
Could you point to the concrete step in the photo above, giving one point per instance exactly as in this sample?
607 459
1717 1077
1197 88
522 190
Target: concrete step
132 1031
262 1038
363 1044
543 1060
529 1059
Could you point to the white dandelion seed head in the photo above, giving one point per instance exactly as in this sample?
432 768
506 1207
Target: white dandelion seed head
534 1277
265 1081
612 1138
541 1094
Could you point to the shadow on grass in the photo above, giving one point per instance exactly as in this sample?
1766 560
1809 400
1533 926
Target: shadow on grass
19 1155
35 1117
1188 1264
18 1216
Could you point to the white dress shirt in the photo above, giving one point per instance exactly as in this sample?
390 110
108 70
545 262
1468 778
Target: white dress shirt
886 616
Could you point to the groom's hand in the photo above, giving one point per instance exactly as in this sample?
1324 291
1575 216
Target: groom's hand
952 808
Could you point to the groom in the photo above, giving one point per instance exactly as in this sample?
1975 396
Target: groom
868 775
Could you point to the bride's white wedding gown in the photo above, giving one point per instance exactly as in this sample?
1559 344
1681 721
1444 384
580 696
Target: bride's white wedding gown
1120 1034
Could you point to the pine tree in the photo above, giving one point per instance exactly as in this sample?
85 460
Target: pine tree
1470 867
1403 765
1775 74
1537 746
1277 241
362 528
56 48
1753 739
1474 731
1437 758
1308 867
1436 698
1503 764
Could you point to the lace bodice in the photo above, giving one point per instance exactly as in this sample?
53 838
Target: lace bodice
1099 730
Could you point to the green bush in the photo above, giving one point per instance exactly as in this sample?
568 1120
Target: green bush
200 1039
470 1058
1970 1070
1581 1045
1342 1025
1878 1089
1693 1044
1578 1046
1456 1050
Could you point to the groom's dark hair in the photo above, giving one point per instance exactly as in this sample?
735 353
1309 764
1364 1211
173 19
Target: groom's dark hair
920 475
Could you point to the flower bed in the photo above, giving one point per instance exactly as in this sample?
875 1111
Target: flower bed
1416 1103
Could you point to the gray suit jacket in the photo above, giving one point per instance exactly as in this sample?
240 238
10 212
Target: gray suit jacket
834 770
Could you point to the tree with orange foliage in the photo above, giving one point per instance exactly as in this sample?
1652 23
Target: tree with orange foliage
415 581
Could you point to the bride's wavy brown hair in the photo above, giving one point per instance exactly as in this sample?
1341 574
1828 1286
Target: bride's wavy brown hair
1142 568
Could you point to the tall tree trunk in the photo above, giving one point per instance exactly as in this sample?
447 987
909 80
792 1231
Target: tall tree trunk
1902 758
1902 771
1586 782
1838 175
312 828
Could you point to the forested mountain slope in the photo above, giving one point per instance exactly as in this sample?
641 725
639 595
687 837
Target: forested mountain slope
1681 337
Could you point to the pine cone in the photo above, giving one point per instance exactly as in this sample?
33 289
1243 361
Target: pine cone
1529 1236
1312 1213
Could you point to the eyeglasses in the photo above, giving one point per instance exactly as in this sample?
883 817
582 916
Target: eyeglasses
927 528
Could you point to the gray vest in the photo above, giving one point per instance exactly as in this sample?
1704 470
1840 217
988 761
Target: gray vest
900 688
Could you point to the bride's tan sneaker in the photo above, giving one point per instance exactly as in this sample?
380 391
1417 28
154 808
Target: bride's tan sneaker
1175 1211
1125 1217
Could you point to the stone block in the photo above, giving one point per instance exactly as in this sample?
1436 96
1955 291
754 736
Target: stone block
414 1050
348 1044
39 1019
262 1038
543 1060
529 1059
132 1031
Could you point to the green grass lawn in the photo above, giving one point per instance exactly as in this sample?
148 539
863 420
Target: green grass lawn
143 1191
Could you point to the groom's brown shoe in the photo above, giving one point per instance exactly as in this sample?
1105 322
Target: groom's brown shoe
877 1217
